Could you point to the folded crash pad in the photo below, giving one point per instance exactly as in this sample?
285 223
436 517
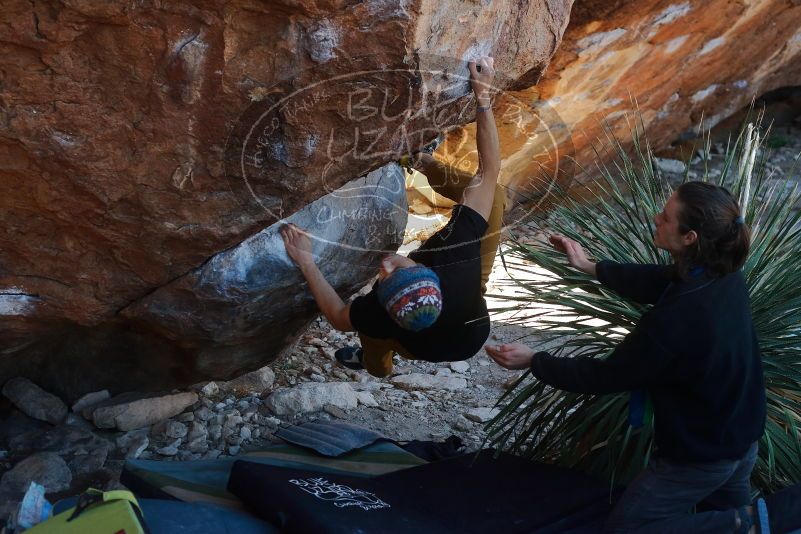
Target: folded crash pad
329 438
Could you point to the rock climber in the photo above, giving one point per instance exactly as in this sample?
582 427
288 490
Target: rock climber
429 305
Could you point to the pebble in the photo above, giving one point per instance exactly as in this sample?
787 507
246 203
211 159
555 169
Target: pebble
203 414
462 424
272 422
317 342
481 415
198 445
137 447
186 417
197 431
90 399
459 367
366 398
210 389
511 381
175 429
232 420
171 449
671 166
334 411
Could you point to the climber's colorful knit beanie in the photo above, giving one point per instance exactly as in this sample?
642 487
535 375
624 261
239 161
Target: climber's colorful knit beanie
412 297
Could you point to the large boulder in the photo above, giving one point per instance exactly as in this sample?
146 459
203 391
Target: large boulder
150 150
676 69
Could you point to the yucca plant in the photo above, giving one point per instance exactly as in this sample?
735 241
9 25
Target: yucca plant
574 315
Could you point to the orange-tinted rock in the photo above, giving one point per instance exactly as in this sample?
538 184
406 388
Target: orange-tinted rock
126 132
685 65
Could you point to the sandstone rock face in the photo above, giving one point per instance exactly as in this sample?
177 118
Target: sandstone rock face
149 149
685 65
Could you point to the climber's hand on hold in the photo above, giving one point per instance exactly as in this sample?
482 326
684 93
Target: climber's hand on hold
298 245
481 80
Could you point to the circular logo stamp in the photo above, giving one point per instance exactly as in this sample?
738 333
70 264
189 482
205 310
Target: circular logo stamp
323 143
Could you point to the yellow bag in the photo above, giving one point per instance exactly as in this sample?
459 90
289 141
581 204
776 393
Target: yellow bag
97 512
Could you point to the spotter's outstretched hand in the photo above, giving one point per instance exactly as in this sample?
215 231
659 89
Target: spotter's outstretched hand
511 355
574 252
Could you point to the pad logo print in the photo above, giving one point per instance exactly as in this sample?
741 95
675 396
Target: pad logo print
341 495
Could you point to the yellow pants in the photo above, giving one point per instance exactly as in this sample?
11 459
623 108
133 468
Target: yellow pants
450 183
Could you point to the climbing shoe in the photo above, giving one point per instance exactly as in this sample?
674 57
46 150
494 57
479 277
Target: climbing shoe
350 357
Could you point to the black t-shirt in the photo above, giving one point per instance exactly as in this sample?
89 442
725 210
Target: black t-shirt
463 326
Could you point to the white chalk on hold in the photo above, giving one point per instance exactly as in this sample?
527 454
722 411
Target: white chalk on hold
14 301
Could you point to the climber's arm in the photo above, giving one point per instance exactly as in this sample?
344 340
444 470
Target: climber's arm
480 193
298 247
